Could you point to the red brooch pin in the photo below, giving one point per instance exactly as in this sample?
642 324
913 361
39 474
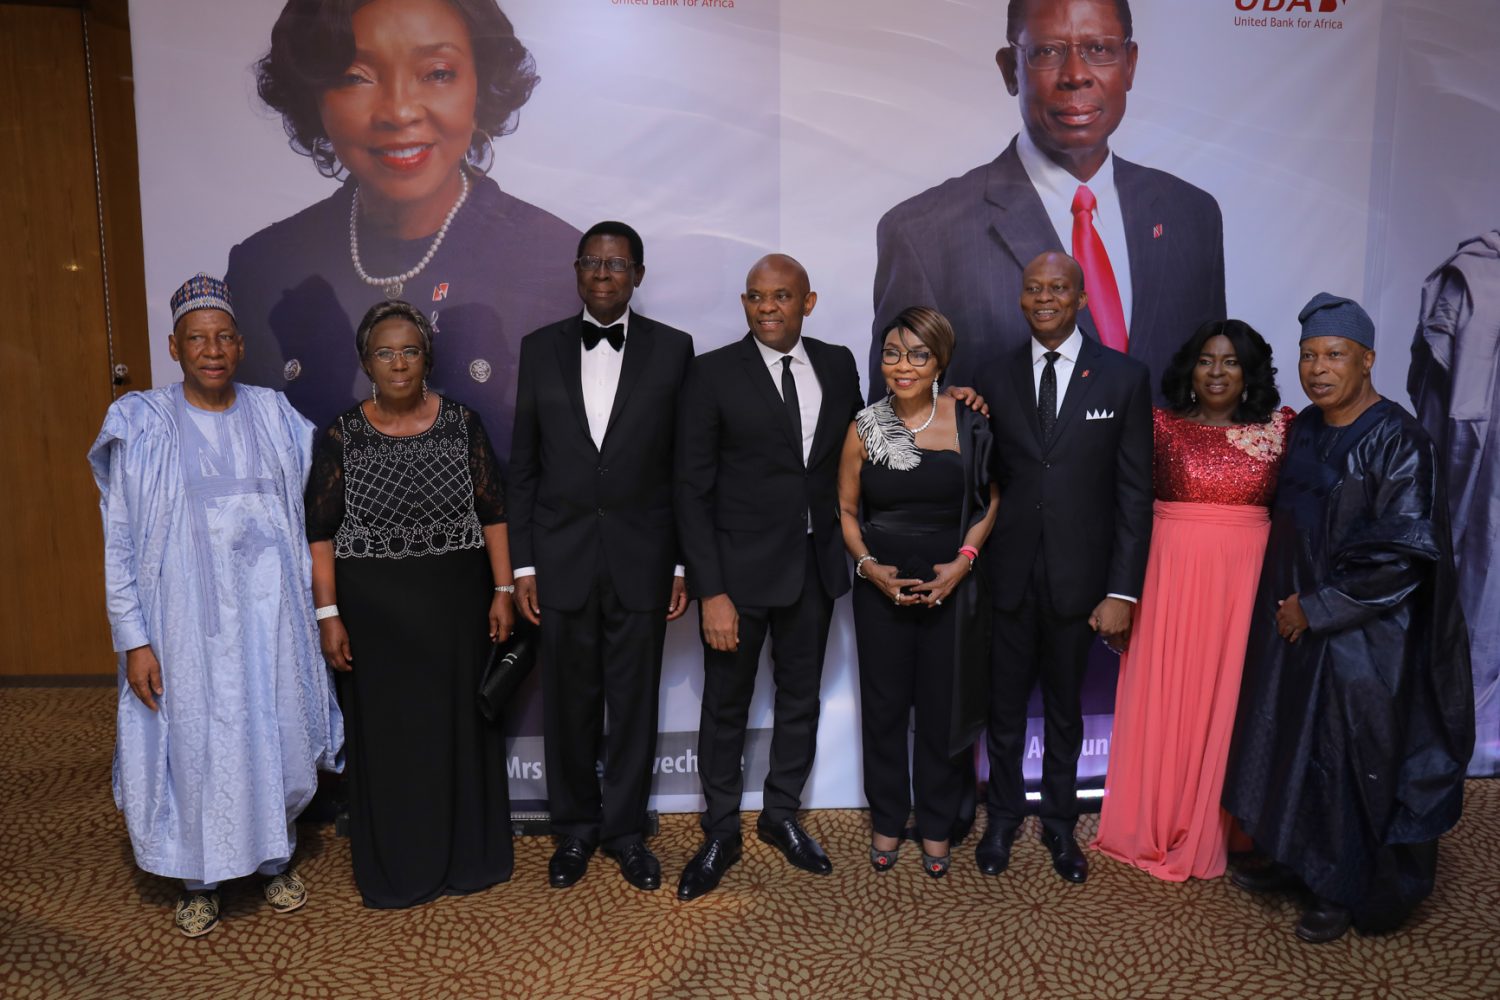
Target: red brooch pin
1156 231
1085 373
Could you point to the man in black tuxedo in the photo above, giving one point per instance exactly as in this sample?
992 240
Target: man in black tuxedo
761 425
593 538
960 247
1072 427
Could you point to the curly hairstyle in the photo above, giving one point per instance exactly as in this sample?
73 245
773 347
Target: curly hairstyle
312 44
1261 397
930 327
394 309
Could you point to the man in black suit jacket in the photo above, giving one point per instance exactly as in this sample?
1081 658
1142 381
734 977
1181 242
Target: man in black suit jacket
1072 427
960 247
594 541
761 425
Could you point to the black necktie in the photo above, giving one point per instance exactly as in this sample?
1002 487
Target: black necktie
1046 397
593 334
789 395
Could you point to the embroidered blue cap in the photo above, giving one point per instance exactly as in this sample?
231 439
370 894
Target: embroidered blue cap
1328 315
201 291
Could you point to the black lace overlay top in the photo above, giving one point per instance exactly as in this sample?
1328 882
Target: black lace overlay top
380 496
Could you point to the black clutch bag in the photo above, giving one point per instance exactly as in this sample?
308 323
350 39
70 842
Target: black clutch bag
509 663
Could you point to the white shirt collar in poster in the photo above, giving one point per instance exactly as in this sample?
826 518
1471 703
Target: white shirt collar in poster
1056 187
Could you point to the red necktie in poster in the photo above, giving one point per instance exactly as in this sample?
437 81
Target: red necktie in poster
1098 276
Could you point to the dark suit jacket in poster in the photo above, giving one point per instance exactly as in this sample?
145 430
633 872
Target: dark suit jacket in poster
743 495
1084 498
566 496
960 248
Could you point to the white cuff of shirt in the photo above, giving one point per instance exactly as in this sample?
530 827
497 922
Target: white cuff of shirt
679 571
1132 600
524 571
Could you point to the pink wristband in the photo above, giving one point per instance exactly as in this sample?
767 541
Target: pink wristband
971 552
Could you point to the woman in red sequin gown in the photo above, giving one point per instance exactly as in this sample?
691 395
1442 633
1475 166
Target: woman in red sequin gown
1218 449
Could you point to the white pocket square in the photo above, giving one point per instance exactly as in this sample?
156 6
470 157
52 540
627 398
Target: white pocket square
1099 414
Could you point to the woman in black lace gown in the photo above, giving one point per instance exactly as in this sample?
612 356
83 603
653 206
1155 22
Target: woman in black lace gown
917 505
412 578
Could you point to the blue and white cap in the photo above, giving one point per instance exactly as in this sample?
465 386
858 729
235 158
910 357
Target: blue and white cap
201 291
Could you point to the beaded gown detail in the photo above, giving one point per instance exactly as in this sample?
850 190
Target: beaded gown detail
1180 677
429 803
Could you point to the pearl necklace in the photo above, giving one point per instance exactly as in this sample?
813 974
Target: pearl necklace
926 423
930 417
393 285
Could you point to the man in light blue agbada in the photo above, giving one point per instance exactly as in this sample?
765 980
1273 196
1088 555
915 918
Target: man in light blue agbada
225 709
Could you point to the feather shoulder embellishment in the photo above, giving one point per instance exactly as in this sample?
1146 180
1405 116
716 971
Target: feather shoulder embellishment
887 440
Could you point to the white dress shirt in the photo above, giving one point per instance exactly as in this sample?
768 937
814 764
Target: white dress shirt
1063 366
599 372
809 392
1056 187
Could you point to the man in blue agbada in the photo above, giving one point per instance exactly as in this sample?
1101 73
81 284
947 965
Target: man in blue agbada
1356 712
225 709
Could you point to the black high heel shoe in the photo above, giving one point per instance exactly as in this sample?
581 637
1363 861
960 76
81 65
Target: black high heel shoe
884 861
934 865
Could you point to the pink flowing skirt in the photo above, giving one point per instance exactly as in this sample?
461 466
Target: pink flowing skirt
1179 685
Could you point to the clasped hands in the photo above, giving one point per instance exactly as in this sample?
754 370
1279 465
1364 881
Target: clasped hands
907 592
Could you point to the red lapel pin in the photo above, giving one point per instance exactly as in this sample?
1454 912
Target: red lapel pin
1085 373
1156 231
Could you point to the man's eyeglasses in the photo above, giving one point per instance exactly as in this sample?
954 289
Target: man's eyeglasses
618 265
388 355
917 357
1104 51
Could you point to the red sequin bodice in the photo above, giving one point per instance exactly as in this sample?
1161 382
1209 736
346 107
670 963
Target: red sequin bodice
1198 463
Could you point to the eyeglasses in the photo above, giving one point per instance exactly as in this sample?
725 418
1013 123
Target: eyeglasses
618 265
917 357
1093 51
388 355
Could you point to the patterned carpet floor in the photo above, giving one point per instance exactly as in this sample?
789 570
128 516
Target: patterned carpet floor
78 920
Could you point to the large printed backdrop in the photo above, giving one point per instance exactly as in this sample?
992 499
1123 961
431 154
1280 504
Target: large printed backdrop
1350 150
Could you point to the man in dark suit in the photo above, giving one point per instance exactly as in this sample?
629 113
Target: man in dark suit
1072 427
1155 244
594 541
761 425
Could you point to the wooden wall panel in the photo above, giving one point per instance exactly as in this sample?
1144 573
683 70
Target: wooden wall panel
108 28
54 371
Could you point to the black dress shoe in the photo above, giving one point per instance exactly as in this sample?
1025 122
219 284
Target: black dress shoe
638 865
569 862
993 853
1268 877
797 844
1067 860
1323 922
708 866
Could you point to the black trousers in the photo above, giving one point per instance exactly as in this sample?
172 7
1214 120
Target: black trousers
1033 643
906 664
602 658
799 636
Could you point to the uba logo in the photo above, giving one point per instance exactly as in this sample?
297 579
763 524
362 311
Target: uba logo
1273 6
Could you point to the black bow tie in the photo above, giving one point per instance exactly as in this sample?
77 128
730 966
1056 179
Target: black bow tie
593 334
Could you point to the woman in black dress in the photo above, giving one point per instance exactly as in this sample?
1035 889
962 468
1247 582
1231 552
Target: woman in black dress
406 517
917 505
